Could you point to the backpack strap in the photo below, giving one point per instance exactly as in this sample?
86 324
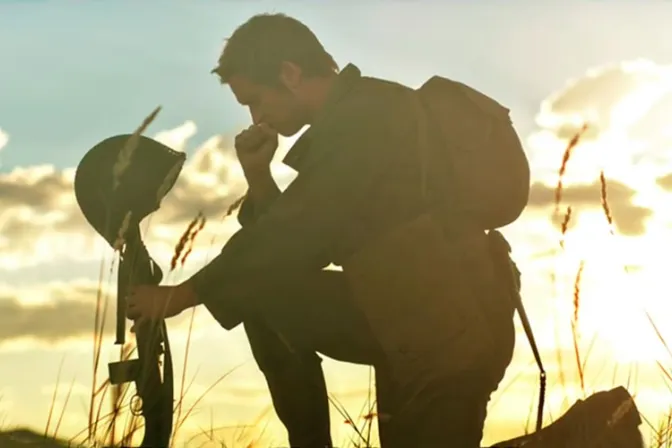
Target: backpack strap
501 250
499 246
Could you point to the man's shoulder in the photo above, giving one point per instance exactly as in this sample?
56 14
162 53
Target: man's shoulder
372 101
379 92
374 112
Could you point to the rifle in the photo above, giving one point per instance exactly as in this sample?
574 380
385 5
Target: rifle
118 183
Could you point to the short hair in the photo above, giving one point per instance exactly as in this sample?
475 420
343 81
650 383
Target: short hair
257 48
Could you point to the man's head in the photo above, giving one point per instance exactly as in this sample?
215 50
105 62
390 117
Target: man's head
276 67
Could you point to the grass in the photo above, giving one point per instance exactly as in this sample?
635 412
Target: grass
115 426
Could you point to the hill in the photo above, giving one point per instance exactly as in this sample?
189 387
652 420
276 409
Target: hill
23 438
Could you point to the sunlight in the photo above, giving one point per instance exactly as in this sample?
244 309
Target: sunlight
544 82
612 302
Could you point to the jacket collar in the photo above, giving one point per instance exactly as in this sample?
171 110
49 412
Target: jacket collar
298 154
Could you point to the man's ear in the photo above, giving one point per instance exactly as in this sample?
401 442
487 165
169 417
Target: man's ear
291 75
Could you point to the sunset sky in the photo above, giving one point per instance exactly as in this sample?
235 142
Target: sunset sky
73 73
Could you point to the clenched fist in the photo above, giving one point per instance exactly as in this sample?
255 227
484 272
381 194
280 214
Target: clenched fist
255 147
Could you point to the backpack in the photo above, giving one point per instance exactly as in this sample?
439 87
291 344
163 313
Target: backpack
475 158
470 153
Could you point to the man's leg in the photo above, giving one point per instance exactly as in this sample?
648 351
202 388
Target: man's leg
296 383
291 322
447 411
430 409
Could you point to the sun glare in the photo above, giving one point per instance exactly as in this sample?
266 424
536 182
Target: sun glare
613 300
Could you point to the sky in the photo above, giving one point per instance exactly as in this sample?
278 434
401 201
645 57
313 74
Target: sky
74 73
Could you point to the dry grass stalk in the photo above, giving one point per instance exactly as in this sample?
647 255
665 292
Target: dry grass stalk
348 420
98 331
179 423
126 154
53 399
563 166
662 434
235 205
168 181
184 375
188 238
553 277
192 238
663 369
605 202
120 241
115 401
577 291
65 406
564 226
575 322
184 239
117 397
100 394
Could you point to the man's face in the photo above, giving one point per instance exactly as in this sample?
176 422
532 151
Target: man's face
275 106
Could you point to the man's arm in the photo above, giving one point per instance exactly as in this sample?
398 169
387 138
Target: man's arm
255 148
261 193
306 218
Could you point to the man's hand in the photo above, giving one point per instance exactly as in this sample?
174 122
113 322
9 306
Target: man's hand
255 147
147 302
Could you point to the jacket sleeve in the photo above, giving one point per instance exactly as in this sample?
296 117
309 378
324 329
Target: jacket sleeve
247 213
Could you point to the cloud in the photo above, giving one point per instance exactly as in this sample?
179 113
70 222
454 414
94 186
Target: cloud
4 139
625 105
178 137
598 97
64 311
629 219
40 221
57 312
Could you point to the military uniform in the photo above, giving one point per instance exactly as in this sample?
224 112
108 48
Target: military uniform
417 298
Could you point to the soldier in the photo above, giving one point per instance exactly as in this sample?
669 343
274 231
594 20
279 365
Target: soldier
419 297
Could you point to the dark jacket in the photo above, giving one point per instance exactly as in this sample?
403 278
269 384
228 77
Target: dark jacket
357 176
358 183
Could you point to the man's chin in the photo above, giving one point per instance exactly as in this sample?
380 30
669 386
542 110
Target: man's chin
289 131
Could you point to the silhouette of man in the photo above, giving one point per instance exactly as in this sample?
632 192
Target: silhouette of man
417 298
